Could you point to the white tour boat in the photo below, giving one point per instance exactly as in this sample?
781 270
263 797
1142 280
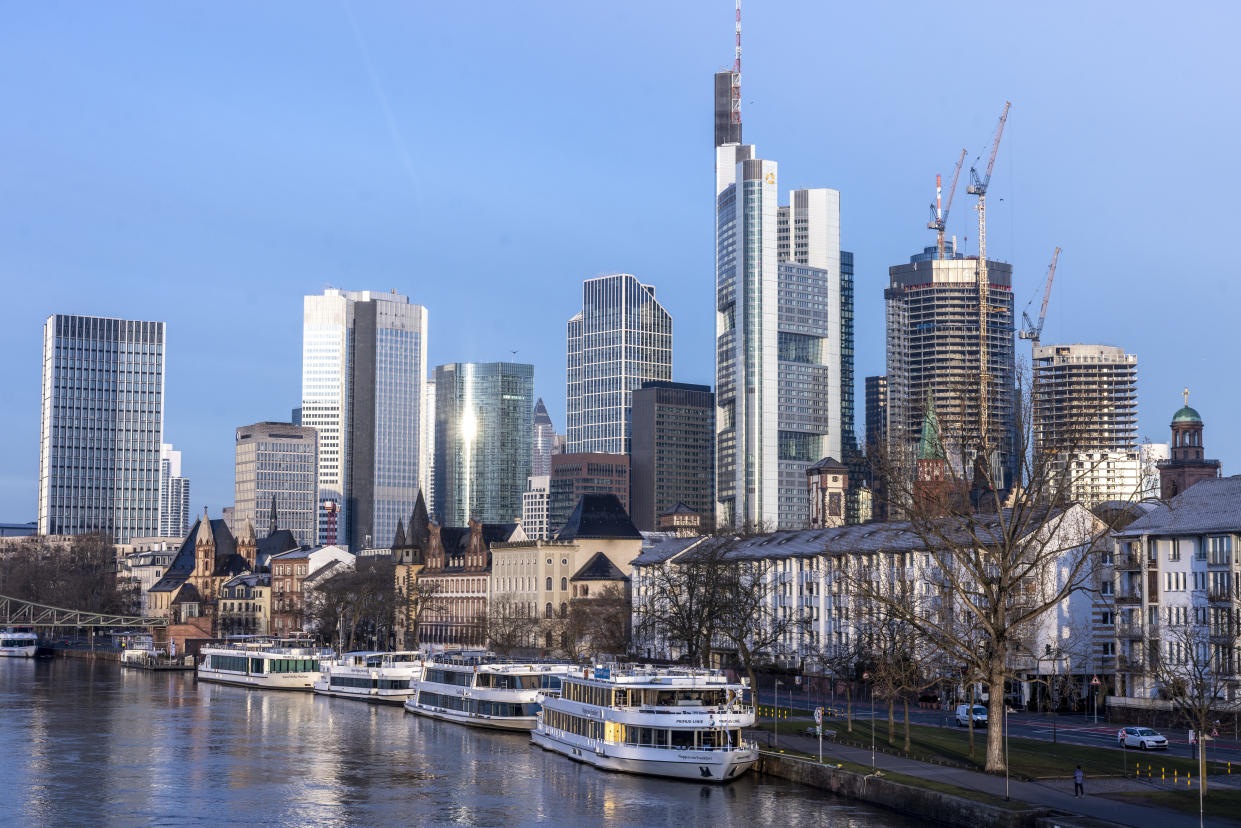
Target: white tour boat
273 664
670 722
481 690
18 644
371 676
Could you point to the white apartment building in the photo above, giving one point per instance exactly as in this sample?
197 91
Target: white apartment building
534 506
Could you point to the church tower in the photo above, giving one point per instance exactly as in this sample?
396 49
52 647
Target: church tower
1187 464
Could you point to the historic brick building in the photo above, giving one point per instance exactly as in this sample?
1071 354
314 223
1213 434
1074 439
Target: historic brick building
1188 464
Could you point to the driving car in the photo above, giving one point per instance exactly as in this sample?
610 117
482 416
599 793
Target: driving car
963 716
1142 738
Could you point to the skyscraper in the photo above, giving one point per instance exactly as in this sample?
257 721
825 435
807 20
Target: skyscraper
427 446
102 427
933 346
541 442
876 413
277 464
621 338
579 473
174 494
673 451
363 381
483 430
784 339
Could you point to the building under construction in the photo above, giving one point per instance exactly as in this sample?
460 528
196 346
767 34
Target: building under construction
1086 414
934 337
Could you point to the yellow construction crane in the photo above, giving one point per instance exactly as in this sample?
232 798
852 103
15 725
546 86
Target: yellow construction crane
978 187
939 217
1031 330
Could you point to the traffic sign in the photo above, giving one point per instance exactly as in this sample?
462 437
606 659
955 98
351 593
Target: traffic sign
1094 682
818 715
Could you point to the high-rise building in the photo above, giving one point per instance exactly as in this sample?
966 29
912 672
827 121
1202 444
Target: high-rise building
534 506
483 428
784 341
364 370
933 346
876 413
542 441
174 494
1086 416
277 466
621 338
673 458
427 446
574 475
102 427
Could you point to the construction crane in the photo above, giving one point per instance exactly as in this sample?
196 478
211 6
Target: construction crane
1030 330
939 217
978 187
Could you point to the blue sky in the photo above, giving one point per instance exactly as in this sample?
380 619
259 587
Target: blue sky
208 164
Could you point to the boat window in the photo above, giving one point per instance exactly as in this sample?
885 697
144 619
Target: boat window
683 739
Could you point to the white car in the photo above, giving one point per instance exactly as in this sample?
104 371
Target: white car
1142 738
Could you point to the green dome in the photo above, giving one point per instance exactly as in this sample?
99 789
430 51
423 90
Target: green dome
1187 415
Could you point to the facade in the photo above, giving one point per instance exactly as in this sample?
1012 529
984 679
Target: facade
534 506
364 370
458 568
174 494
1188 464
245 605
784 340
289 572
827 484
428 443
542 441
574 475
673 451
1178 594
102 427
1086 415
141 563
483 428
621 338
876 413
933 346
276 468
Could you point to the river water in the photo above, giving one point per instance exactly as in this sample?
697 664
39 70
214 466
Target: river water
87 743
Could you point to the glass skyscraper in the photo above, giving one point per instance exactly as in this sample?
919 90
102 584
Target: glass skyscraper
102 427
174 494
620 339
483 429
543 437
363 382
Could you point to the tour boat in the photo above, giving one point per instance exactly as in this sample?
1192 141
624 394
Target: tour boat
374 677
481 690
676 723
18 644
272 664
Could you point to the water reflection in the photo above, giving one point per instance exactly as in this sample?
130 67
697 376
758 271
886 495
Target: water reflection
88 743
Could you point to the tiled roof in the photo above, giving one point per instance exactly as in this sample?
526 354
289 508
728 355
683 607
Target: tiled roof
658 547
599 516
599 568
282 540
1212 505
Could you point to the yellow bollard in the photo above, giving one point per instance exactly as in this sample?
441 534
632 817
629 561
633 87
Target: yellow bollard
1187 775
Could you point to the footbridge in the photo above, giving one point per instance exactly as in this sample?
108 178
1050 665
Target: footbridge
14 612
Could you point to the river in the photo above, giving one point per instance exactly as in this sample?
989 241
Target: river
88 743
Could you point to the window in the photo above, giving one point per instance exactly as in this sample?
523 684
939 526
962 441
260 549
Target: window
1174 550
564 584
549 584
1220 549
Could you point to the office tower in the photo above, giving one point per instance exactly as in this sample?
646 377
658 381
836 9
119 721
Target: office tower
534 505
427 446
483 428
542 441
933 346
673 458
576 474
876 413
174 494
277 464
1086 416
102 427
364 372
621 338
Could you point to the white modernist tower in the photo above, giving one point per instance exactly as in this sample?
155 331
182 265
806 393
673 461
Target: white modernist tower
784 341
364 369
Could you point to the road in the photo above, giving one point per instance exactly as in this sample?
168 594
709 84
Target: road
1076 729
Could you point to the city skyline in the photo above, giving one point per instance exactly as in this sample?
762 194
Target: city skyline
111 226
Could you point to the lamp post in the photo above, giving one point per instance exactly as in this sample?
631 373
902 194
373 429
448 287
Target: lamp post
1005 747
866 677
776 712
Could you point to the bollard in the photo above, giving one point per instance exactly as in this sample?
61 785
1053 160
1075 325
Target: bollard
1187 775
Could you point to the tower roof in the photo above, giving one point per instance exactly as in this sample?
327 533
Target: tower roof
599 516
930 447
541 417
1187 415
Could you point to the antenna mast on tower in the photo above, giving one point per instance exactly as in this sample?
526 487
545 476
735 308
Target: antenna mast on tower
736 88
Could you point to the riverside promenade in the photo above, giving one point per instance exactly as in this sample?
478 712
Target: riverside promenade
1056 794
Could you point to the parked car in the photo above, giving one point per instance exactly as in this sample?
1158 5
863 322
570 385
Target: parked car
1142 738
963 715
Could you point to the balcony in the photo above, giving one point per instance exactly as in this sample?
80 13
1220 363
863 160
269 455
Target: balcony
1219 596
1128 561
1130 664
1124 629
1129 597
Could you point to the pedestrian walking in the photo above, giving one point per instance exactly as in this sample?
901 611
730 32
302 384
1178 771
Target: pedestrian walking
1079 779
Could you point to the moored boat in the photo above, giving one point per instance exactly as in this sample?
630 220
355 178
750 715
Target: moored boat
479 689
270 663
671 722
18 644
371 676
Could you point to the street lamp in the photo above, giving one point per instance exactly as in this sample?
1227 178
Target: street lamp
776 712
866 677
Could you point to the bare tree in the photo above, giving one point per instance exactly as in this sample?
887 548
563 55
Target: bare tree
843 659
510 623
80 574
679 601
415 599
600 624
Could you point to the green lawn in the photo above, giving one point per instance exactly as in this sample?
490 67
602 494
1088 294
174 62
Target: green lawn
1219 802
1030 758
